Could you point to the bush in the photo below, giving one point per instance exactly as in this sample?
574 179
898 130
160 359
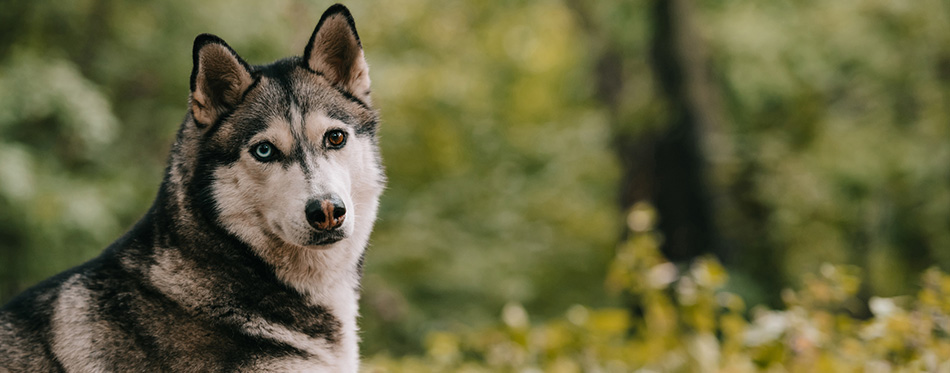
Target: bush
682 320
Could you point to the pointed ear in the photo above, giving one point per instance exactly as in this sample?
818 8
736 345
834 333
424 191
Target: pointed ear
335 51
218 79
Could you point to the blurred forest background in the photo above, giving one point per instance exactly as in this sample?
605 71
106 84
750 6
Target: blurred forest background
775 136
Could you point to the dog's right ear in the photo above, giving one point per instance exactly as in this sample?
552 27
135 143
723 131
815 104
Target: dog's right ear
218 79
335 52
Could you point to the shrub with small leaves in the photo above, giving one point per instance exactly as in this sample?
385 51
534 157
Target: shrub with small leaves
681 320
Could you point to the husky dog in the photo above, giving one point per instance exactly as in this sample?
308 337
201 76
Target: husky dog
250 257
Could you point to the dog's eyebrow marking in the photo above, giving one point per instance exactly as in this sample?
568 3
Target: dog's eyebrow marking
317 123
278 132
339 114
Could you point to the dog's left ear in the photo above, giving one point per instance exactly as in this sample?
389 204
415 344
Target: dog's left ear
335 52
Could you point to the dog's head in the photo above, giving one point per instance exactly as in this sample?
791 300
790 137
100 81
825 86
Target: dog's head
283 154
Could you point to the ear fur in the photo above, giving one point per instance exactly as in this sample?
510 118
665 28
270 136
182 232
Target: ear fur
335 52
219 79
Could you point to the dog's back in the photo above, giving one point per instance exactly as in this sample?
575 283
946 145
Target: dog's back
81 320
25 328
250 257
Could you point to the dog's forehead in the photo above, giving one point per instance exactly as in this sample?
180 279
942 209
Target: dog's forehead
296 102
302 110
286 89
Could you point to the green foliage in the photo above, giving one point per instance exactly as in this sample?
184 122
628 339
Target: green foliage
838 120
45 174
684 321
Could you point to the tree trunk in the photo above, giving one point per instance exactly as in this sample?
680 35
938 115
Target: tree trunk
667 167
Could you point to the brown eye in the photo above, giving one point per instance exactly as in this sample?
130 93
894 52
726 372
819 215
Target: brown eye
335 139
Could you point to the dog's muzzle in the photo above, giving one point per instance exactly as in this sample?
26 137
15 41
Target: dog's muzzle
326 212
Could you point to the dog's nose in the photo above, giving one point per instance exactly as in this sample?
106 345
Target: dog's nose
326 212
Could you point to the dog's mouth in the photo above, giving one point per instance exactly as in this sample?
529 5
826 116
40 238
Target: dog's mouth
323 238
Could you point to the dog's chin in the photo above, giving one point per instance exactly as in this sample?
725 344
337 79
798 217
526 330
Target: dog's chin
323 239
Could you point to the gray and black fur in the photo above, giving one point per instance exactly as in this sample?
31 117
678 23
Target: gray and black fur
248 260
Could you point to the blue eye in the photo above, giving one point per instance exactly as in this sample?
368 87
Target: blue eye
264 151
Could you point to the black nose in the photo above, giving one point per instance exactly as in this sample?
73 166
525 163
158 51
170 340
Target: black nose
326 212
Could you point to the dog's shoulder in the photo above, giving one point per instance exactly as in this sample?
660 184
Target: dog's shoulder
26 323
